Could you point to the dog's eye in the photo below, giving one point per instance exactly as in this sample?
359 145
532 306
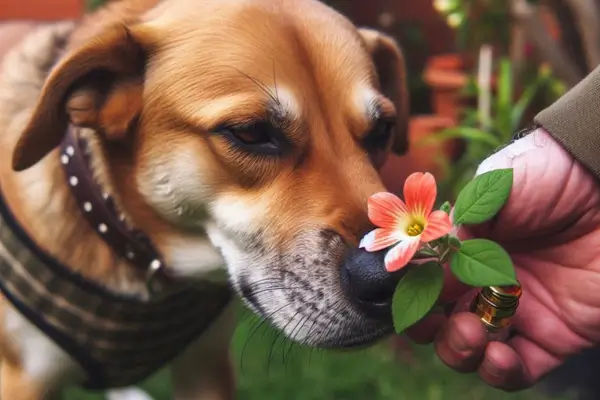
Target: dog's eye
380 135
376 143
255 138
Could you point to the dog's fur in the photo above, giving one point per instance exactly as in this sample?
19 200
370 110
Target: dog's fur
151 82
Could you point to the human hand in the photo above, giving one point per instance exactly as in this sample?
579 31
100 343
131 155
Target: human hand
551 228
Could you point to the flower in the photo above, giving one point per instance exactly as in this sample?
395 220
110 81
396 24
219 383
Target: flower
405 225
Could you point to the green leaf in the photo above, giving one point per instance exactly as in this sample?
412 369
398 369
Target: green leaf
483 197
416 294
425 253
446 207
481 262
454 242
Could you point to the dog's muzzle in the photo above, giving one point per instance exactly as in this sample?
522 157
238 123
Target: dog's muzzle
367 283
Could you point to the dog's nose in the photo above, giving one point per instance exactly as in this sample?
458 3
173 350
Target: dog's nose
368 284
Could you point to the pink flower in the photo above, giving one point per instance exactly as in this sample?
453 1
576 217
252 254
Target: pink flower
405 225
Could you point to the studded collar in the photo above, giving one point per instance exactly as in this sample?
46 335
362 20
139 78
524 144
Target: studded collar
99 209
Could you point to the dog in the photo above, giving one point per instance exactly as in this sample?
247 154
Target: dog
159 156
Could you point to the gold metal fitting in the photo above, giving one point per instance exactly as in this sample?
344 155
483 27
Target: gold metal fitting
496 305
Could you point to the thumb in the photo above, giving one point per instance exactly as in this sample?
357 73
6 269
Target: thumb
503 158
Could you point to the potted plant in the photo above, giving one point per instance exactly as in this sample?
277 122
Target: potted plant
476 23
445 75
499 115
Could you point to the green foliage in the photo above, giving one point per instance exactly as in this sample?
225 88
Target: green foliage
376 373
483 197
477 262
481 262
477 21
416 294
483 137
93 4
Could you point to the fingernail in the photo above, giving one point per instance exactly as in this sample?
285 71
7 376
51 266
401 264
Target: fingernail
457 342
491 367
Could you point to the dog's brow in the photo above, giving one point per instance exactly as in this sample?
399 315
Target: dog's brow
372 105
287 104
368 101
239 106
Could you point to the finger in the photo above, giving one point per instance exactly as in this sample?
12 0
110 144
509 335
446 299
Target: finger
516 365
461 342
502 367
453 288
426 330
536 361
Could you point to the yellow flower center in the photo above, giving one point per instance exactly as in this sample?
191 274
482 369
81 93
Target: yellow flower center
414 229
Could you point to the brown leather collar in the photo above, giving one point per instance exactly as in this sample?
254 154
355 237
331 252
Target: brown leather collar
99 210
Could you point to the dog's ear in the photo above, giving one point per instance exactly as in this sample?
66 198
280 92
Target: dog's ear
98 85
391 71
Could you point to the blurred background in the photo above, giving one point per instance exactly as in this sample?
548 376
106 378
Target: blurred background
478 71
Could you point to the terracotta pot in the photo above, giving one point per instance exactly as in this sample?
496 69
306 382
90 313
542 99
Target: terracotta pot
454 62
420 158
446 77
41 10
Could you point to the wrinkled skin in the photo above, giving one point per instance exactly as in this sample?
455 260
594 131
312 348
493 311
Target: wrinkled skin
551 228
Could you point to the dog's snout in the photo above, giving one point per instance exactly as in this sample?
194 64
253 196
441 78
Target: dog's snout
368 284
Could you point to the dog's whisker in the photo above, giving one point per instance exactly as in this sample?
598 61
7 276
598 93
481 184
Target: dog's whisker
287 356
272 289
280 335
304 341
253 332
273 350
275 83
331 321
321 352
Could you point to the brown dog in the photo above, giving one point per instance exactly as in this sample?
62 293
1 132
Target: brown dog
237 133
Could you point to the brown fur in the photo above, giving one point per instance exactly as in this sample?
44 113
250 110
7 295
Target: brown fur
105 83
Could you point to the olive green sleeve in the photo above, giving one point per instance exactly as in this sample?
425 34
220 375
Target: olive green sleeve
574 121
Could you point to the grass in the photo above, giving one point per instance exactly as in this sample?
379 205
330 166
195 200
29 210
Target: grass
270 368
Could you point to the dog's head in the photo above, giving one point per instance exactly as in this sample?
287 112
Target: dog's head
259 125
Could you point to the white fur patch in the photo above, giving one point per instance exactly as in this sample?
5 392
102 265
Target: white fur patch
175 186
233 256
193 256
289 104
238 214
365 99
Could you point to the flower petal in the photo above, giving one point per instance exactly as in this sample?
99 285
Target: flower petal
379 239
401 254
420 192
385 209
438 225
